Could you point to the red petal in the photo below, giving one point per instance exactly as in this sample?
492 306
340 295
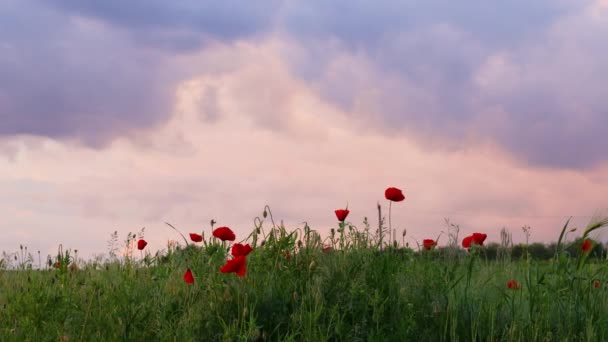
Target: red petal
394 194
239 249
141 244
196 237
466 242
341 214
188 277
224 234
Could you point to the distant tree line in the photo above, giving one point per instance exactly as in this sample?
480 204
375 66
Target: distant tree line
536 250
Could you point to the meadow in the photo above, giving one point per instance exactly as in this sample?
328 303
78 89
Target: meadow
282 285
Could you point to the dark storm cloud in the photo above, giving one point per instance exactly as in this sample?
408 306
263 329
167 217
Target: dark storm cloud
180 25
61 76
426 57
422 61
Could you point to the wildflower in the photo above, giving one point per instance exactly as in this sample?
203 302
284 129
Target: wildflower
587 246
513 285
237 265
394 194
429 244
141 244
224 234
196 237
479 238
466 242
327 249
188 277
596 283
341 214
239 249
57 264
476 238
286 254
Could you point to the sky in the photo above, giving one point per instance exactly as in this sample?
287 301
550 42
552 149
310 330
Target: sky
120 115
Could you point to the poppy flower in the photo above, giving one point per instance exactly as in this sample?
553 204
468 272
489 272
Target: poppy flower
394 194
196 237
327 249
57 264
286 254
141 244
237 265
239 249
596 283
428 244
479 238
224 234
341 214
188 277
587 246
466 242
476 238
513 285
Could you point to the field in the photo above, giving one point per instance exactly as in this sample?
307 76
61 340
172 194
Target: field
296 286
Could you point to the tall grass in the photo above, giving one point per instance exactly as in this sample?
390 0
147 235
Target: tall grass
294 291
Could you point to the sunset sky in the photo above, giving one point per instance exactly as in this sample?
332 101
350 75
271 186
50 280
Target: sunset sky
117 115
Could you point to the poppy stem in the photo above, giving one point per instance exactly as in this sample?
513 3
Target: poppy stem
389 222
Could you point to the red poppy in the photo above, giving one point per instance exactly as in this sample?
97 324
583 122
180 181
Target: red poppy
286 254
466 242
239 249
341 214
224 234
476 238
587 246
236 264
479 238
596 283
141 244
188 277
429 244
328 249
513 285
57 264
394 194
196 237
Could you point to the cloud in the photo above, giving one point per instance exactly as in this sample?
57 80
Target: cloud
526 76
191 169
69 77
184 25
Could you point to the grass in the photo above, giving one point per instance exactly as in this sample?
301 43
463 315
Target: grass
355 292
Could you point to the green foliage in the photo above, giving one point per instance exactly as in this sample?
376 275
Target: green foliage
354 292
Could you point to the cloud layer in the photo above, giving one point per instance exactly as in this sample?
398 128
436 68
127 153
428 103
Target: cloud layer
215 158
526 76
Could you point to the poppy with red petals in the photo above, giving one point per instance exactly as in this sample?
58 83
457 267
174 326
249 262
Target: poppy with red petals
224 234
479 238
466 242
236 265
341 214
141 244
196 237
429 244
327 249
587 246
513 285
286 254
596 283
188 277
475 239
394 194
239 249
